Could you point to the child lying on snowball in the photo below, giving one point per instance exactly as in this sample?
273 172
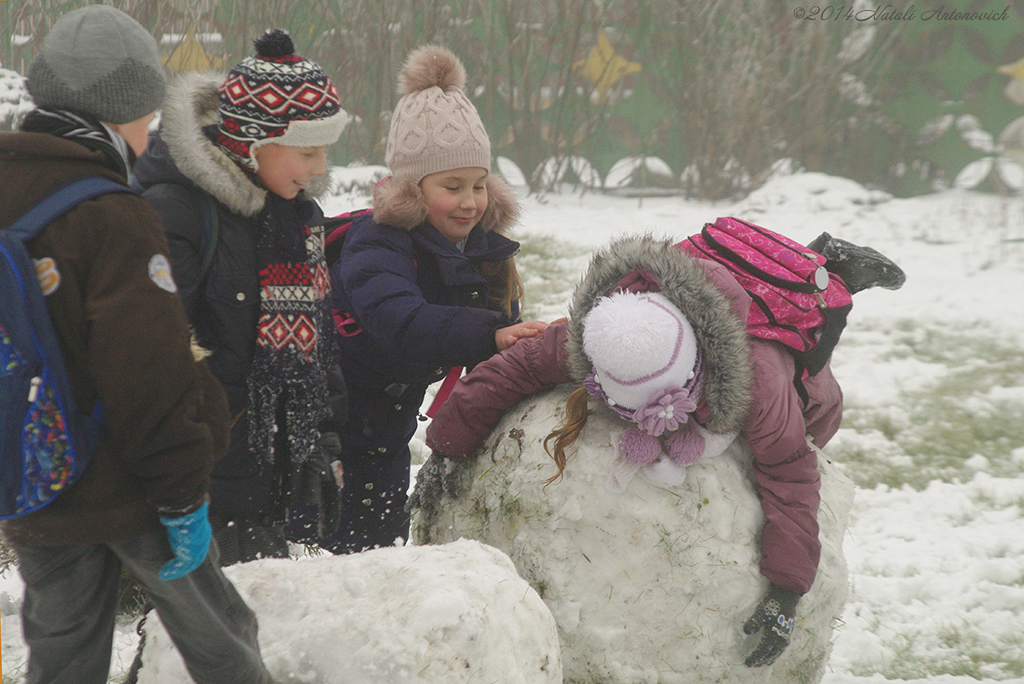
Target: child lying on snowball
661 338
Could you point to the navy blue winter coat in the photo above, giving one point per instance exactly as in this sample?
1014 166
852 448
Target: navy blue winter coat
420 307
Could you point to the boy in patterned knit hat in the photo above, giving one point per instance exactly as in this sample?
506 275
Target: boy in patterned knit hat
141 504
247 152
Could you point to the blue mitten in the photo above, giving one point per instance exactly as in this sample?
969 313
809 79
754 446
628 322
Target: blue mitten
189 536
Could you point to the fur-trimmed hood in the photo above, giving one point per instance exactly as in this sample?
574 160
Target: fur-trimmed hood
190 105
400 203
722 336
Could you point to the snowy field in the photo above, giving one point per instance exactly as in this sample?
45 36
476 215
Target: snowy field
933 433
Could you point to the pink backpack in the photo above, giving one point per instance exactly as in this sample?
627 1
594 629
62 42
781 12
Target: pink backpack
796 301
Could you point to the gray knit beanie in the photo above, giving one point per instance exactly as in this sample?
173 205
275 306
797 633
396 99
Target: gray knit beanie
435 127
97 60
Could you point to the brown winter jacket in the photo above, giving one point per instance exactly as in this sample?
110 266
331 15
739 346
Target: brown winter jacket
126 343
775 424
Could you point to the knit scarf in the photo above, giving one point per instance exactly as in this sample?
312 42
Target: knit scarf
84 129
293 342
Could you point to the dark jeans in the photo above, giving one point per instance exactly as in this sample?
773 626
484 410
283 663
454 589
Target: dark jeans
373 507
71 602
241 541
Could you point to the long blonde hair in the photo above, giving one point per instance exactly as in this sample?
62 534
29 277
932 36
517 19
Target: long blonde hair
504 285
577 408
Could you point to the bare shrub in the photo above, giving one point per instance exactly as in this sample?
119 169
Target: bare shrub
723 91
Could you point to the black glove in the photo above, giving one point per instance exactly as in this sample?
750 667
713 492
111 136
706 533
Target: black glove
330 486
438 477
313 483
776 613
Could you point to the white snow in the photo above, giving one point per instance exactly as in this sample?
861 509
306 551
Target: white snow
935 544
651 584
14 99
411 615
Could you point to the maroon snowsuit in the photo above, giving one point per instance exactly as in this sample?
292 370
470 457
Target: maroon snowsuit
775 426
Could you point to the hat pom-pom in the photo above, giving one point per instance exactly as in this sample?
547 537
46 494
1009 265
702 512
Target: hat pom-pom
636 446
274 43
431 66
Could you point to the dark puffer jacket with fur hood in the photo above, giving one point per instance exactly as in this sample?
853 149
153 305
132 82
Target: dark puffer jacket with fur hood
419 304
180 171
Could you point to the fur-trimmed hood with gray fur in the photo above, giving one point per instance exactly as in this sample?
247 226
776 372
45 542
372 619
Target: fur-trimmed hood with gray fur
722 336
190 105
400 203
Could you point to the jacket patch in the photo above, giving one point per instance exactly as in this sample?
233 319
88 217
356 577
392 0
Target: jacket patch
160 273
47 274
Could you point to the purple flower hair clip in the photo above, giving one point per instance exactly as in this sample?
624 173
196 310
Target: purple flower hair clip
593 388
666 411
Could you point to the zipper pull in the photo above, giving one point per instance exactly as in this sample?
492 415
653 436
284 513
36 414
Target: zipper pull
33 390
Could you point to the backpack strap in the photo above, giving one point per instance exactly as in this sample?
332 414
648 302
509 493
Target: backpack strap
32 222
446 389
335 229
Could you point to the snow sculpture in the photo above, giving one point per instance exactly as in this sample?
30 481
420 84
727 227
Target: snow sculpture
651 585
449 614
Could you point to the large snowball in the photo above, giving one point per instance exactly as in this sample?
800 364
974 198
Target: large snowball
652 585
450 614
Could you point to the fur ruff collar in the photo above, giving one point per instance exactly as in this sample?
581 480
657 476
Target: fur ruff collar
400 203
191 104
728 372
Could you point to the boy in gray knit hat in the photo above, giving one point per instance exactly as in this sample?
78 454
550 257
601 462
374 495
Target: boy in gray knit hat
141 503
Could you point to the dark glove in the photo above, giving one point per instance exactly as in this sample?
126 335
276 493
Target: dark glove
314 477
438 477
330 486
189 536
776 613
330 447
313 483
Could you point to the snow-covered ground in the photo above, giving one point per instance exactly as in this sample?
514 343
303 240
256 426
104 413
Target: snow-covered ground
933 433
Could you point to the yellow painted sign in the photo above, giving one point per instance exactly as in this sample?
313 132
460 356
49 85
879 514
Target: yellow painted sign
190 55
603 67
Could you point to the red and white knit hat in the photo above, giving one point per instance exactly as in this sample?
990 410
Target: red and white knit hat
277 96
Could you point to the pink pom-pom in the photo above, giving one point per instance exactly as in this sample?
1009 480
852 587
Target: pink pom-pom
430 66
685 446
636 446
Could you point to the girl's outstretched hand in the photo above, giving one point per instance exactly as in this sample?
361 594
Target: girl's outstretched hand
506 337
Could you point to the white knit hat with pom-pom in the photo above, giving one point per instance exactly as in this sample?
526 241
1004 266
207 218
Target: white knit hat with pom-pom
639 344
435 127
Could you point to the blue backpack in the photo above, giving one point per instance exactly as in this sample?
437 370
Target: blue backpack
45 440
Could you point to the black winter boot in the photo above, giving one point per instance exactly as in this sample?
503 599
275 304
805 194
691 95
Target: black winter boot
859 267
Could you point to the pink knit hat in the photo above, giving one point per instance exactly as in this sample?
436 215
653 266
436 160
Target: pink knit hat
434 127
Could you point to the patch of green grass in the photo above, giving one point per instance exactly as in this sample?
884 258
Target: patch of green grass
550 269
939 427
962 653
